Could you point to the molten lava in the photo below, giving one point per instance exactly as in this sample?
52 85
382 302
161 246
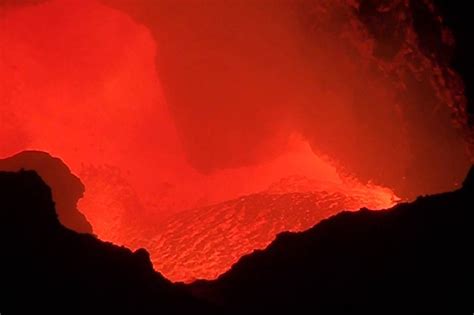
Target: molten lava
202 129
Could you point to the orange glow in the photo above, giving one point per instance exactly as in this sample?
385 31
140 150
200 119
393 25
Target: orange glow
169 112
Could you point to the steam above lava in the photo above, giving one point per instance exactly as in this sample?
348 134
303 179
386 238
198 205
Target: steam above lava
164 108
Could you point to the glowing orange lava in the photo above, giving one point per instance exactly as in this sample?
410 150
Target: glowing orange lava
170 115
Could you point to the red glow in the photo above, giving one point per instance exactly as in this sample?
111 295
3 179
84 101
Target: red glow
219 119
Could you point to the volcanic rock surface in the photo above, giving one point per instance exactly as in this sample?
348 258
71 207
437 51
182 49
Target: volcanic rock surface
66 188
414 258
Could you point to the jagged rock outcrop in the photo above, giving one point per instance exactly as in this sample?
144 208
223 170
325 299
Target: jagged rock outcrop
66 187
46 268
413 258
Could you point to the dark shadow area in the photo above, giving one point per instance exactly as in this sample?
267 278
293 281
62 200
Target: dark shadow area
48 269
413 258
66 187
457 17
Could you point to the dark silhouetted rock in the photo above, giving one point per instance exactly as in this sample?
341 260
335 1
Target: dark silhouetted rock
67 188
48 269
413 258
